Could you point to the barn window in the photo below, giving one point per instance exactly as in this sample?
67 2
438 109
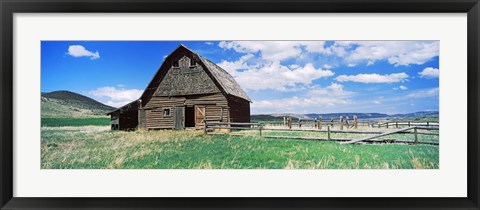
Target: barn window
175 63
166 112
193 62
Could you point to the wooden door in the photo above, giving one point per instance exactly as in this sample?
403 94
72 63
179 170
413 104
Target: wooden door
199 117
179 118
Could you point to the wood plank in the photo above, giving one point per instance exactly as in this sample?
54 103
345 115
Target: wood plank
378 135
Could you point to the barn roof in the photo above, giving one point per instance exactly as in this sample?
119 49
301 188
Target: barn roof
124 107
225 81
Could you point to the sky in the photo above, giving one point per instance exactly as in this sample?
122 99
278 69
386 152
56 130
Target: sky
279 76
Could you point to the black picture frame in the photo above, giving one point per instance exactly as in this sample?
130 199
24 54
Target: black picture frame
10 7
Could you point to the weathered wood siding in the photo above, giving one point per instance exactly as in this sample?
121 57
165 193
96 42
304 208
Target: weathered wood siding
216 109
186 80
141 119
239 109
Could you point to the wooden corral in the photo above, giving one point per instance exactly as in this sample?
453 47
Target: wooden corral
186 91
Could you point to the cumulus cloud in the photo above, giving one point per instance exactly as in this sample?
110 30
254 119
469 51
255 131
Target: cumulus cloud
269 50
315 100
373 78
80 51
115 97
429 73
335 90
327 66
267 74
278 77
397 53
424 93
233 66
402 87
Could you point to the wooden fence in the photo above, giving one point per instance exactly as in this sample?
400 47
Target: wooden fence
211 126
345 123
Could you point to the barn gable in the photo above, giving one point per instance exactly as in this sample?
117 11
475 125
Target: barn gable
224 81
187 78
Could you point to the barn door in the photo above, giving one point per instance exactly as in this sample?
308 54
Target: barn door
199 117
179 118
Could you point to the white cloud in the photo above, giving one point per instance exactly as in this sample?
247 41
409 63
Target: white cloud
424 93
278 77
271 74
233 66
115 96
429 73
316 47
373 78
80 51
376 102
398 53
269 50
315 100
209 43
116 104
351 65
402 87
335 90
327 66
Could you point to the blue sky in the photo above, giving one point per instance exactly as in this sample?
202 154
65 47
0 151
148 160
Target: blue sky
279 76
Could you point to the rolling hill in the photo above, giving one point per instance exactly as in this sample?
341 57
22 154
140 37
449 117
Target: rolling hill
279 117
71 105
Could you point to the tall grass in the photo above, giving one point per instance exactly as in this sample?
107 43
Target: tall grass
93 148
49 122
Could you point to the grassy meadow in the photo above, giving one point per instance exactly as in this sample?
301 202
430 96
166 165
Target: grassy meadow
96 147
62 121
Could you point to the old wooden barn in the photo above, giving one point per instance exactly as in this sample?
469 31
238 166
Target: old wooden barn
186 91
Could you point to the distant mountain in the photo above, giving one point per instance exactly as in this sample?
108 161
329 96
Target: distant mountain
69 104
276 117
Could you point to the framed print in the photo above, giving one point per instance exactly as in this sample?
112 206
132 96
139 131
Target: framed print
239 105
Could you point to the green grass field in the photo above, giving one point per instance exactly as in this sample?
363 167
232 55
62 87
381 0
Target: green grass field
95 147
54 122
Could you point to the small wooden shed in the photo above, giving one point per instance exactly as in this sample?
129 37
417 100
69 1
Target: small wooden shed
186 91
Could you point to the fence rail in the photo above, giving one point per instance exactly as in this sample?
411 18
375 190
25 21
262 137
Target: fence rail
211 126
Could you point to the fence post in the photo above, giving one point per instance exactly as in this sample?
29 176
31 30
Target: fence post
341 123
428 124
261 126
205 128
331 122
320 123
416 137
328 133
289 122
355 121
396 124
387 124
408 123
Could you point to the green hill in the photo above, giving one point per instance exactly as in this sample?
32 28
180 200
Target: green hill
66 104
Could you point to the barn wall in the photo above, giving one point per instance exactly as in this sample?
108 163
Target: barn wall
213 103
239 109
141 119
128 120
